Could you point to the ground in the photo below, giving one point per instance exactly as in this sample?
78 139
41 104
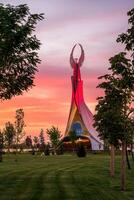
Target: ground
62 177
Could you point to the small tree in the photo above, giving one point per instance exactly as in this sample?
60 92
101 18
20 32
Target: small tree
18 49
19 126
36 142
107 120
9 134
54 136
42 140
28 141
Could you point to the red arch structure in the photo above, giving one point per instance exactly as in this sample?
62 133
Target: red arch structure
79 112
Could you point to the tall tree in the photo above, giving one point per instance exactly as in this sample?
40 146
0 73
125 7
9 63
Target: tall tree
19 126
54 136
18 49
9 134
128 40
106 121
112 118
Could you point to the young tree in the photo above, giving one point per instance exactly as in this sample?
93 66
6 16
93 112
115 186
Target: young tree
18 49
107 119
54 136
112 118
19 126
42 140
9 134
28 141
36 141
128 39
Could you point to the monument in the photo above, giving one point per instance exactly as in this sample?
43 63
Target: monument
80 117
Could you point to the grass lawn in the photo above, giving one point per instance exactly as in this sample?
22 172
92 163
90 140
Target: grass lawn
62 177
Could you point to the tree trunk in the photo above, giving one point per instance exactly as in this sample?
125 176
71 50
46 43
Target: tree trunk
112 160
132 156
132 150
8 149
1 157
123 166
127 158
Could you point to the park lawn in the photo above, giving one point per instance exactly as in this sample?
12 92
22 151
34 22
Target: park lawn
62 177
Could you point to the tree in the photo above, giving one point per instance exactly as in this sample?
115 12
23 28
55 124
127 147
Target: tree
54 136
9 134
42 140
28 141
18 49
128 39
106 120
19 126
36 141
112 119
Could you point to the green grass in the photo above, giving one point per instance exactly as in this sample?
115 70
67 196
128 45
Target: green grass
62 177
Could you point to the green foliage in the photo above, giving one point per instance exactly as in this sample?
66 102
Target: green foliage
72 136
54 135
41 141
19 125
36 140
128 37
112 119
41 138
18 49
28 141
9 134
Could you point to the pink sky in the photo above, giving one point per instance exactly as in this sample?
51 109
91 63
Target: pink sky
94 24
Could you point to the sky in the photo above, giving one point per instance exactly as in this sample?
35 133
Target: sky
93 23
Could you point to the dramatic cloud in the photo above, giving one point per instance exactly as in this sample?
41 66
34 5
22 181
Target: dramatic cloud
94 24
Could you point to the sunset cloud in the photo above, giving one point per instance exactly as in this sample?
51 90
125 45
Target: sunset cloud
94 24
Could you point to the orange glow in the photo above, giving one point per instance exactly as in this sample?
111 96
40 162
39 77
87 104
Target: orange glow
46 104
95 25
